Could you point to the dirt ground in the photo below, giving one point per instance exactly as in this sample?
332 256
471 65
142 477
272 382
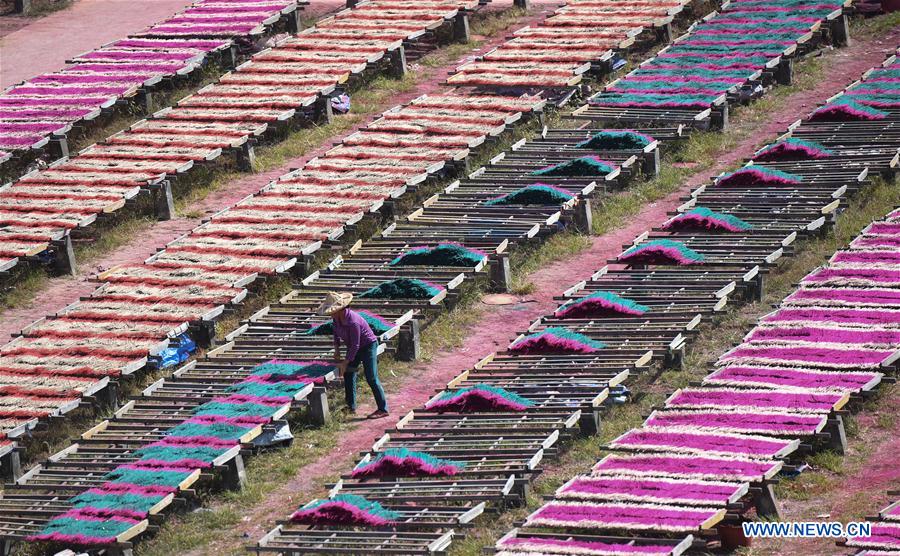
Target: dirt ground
84 26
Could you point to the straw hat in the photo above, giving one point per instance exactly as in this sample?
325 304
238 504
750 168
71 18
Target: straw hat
334 302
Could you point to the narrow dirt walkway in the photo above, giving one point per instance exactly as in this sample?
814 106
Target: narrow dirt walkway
84 26
498 324
61 291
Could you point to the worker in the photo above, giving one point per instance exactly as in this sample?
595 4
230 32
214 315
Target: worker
361 345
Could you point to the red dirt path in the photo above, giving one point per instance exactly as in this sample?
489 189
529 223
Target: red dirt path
549 281
86 25
62 291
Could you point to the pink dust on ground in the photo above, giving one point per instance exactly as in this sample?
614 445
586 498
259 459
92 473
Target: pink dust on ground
86 25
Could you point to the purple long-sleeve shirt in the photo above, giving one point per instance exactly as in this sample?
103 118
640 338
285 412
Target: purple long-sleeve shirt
354 332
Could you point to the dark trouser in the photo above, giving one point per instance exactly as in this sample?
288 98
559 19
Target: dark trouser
368 357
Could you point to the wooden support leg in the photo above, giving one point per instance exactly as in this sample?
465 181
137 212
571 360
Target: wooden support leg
766 505
109 396
230 58
838 436
520 487
204 333
720 117
323 112
303 268
523 4
11 466
675 359
465 166
245 156
584 216
408 342
589 424
163 203
500 273
451 300
784 72
665 33
145 101
293 22
318 406
22 7
59 146
389 210
352 3
759 287
234 476
840 31
6 548
398 62
64 256
651 164
461 28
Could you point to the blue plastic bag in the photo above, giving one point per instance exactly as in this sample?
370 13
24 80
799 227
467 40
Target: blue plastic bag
180 348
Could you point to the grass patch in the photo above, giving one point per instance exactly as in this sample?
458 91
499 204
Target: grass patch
41 8
880 25
828 460
112 239
25 286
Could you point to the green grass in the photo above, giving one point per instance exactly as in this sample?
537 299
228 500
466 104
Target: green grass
41 8
875 25
23 289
